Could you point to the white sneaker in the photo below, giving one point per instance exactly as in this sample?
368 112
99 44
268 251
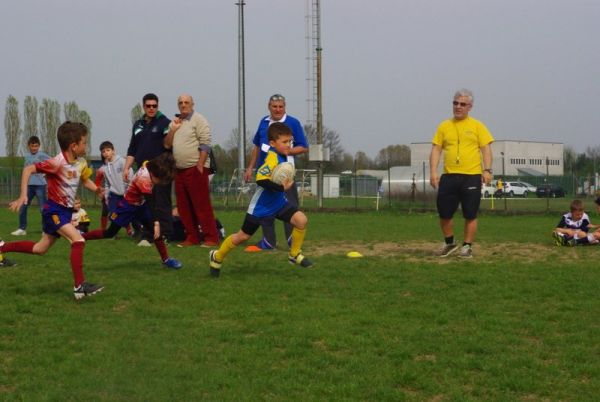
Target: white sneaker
466 251
19 232
144 243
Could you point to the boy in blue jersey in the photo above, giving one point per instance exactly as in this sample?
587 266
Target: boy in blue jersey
268 201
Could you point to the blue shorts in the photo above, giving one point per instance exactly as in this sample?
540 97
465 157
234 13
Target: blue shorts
55 216
125 213
113 201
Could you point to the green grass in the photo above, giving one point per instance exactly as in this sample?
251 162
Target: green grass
520 321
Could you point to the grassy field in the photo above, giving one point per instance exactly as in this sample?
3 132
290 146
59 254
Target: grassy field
518 322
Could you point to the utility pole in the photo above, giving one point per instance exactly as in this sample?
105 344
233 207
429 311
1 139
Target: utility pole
241 94
319 50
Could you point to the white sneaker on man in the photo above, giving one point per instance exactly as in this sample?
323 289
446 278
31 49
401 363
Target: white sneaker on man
19 232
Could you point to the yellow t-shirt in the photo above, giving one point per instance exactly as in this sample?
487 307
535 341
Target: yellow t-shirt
461 141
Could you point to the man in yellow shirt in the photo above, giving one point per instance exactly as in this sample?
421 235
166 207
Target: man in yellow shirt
464 141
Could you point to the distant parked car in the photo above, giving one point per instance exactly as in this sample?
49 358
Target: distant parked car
487 190
512 188
550 190
530 187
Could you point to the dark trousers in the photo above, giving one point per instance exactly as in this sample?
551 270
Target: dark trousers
162 210
269 239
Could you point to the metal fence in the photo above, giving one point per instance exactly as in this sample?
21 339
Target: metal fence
359 192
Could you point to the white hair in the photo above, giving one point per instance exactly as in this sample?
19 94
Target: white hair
464 92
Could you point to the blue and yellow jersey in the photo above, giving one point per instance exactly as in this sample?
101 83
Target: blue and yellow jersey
267 202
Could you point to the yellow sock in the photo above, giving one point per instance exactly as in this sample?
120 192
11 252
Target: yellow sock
225 248
297 240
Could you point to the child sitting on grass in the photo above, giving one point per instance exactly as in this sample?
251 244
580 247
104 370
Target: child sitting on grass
267 203
159 170
80 218
63 174
574 226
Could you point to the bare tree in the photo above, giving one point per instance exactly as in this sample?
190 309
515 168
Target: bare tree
12 123
331 141
231 150
234 139
30 116
136 113
84 117
49 122
310 132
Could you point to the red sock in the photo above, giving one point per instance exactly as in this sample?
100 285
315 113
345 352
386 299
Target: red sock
24 246
94 234
77 262
103 222
162 249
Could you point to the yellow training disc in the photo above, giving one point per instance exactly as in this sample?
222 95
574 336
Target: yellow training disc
354 254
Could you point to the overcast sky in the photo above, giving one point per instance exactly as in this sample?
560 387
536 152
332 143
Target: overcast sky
390 67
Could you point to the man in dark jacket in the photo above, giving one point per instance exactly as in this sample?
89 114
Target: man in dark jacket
146 143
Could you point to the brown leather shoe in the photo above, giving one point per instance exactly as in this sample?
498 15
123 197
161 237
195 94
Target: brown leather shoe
187 243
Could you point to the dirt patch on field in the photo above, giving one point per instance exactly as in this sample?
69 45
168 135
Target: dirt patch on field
422 250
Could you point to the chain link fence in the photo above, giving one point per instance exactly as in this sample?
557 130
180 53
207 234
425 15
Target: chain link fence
399 188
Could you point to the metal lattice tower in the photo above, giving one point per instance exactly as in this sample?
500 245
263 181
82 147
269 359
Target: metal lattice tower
311 36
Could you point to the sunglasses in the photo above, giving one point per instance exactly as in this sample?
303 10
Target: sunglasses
151 105
277 97
461 104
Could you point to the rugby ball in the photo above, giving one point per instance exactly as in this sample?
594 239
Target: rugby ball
283 172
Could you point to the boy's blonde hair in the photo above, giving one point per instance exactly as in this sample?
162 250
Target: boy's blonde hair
576 205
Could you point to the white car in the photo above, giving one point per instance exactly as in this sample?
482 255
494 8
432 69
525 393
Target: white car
512 188
530 187
488 190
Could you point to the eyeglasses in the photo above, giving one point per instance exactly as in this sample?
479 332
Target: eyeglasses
151 105
277 97
461 104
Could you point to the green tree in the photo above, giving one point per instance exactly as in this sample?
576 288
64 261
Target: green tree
394 155
30 117
224 163
12 126
84 117
136 113
72 111
569 159
49 121
362 161
346 163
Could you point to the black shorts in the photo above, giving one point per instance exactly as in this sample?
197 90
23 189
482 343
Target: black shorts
252 223
459 188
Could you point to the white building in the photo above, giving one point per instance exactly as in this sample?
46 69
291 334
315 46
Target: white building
510 158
